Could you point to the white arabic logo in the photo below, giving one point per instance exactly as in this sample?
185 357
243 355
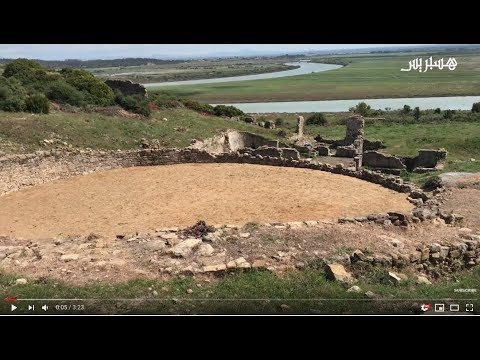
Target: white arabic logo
416 64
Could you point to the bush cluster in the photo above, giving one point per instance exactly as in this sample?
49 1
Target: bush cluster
25 85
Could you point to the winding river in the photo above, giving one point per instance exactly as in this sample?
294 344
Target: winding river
447 102
304 68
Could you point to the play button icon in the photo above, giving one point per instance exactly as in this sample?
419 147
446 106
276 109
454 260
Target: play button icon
13 308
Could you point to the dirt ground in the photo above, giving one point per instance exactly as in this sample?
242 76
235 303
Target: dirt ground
467 203
145 198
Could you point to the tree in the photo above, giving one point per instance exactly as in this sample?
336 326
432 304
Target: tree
416 113
12 94
437 111
362 108
30 73
406 109
23 69
476 107
96 91
316 119
64 93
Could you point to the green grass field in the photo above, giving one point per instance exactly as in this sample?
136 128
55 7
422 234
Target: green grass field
251 292
364 77
22 132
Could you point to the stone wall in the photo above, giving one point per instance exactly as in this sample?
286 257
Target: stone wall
127 87
429 158
289 153
242 139
267 151
426 159
19 171
346 151
376 159
323 150
434 259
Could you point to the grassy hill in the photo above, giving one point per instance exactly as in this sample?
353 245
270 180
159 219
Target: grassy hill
24 132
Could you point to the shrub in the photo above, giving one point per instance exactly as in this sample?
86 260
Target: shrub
362 108
29 72
416 113
437 111
316 119
167 103
229 111
476 107
448 114
406 109
196 106
134 103
96 91
37 103
64 93
377 112
279 122
12 94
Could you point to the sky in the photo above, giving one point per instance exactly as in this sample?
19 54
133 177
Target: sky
165 51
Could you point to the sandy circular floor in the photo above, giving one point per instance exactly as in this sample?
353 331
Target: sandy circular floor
145 198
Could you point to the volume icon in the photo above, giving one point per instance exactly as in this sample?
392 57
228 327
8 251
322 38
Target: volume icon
45 307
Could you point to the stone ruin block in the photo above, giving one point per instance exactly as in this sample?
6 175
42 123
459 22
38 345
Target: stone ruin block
302 148
358 162
267 151
369 145
346 151
300 124
305 149
376 159
269 125
429 158
289 153
323 150
242 139
355 126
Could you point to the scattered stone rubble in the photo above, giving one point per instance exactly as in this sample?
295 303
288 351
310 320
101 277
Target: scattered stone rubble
169 252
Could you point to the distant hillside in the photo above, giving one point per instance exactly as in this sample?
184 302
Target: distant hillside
73 63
